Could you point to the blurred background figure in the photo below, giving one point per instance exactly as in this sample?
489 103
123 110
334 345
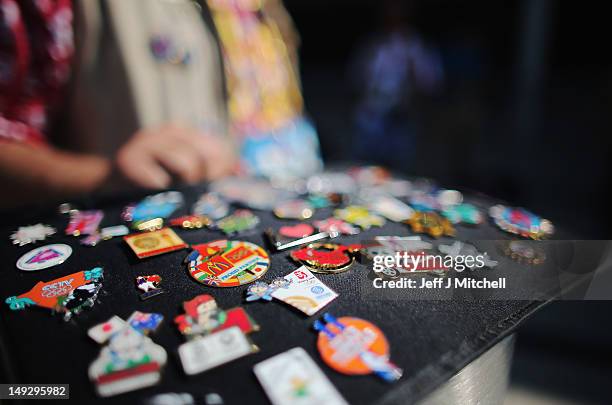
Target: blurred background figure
147 92
264 97
391 71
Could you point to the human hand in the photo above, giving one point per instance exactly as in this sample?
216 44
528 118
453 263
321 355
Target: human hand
153 157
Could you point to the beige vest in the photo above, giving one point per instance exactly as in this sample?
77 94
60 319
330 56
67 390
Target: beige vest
119 87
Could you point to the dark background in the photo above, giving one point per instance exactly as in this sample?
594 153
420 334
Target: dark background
523 114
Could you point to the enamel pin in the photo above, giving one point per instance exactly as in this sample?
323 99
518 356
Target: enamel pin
114 231
326 257
31 234
293 378
225 263
149 225
239 221
521 222
424 202
160 205
431 223
190 221
84 222
129 361
335 225
215 336
144 322
150 286
391 208
91 240
44 257
524 252
202 317
154 243
462 250
300 289
360 216
354 346
294 209
214 350
463 214
67 295
212 206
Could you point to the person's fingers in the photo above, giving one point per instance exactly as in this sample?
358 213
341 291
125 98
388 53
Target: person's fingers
181 160
217 153
141 168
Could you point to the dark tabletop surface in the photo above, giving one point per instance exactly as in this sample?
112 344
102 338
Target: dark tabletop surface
431 335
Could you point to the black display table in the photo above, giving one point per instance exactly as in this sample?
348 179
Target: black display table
431 336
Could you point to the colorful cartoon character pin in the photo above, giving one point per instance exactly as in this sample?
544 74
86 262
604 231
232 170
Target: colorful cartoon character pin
31 234
221 334
202 317
354 346
521 222
150 286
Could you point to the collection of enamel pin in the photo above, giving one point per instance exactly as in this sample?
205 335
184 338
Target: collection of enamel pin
360 199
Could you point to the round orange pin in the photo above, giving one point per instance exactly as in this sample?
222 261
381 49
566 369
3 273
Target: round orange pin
351 337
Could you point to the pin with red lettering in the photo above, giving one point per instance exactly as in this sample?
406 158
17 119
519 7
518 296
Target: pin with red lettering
31 234
300 289
225 263
355 346
150 285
